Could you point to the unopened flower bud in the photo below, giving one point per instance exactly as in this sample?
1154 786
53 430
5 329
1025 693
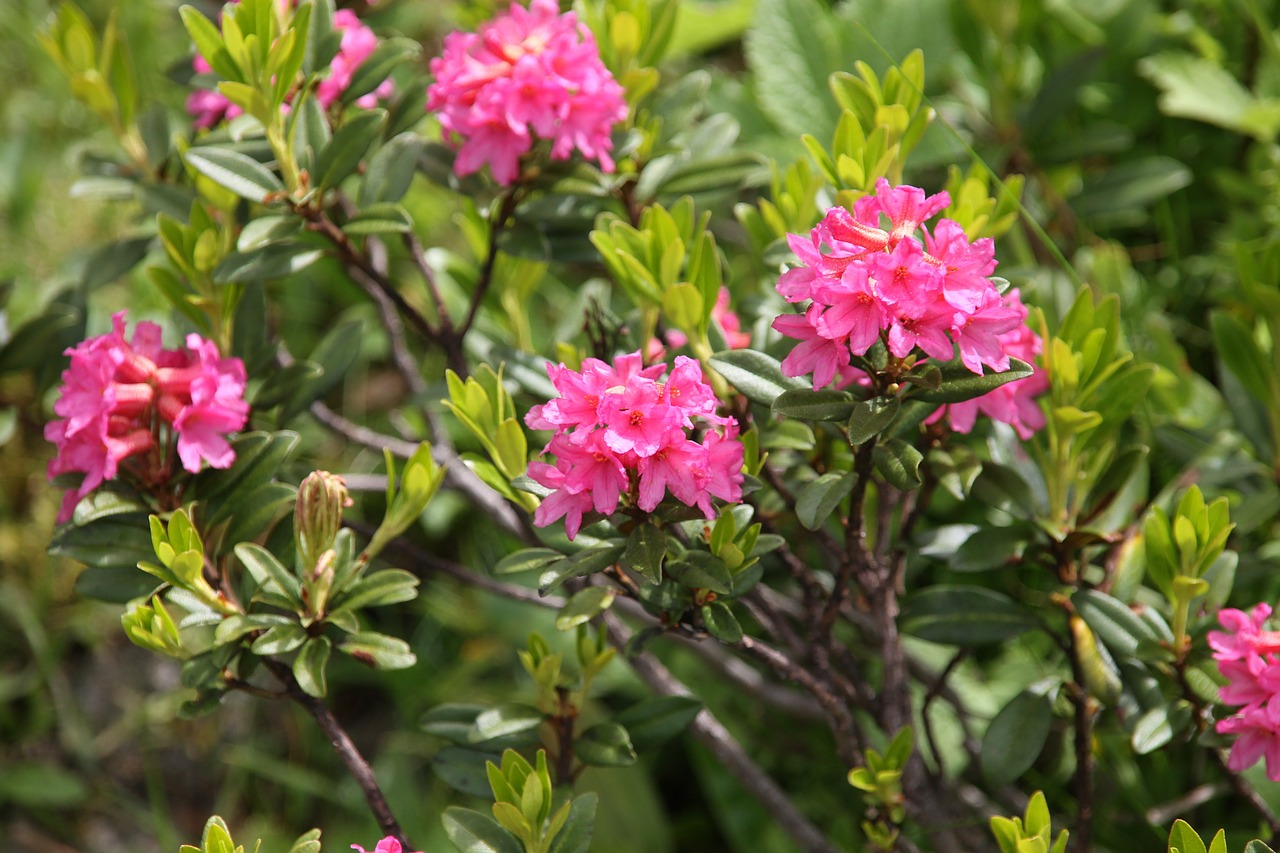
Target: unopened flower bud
318 583
317 516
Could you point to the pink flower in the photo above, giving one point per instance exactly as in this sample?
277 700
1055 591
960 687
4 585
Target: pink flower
868 279
529 74
1248 658
119 399
386 845
623 435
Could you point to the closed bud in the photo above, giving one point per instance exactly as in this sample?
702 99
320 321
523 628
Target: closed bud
317 516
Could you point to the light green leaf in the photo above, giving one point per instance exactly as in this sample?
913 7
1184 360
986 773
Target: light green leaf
239 173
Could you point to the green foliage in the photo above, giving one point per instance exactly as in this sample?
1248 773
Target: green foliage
1031 833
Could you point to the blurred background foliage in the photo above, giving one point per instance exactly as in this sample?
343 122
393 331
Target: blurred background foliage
1146 133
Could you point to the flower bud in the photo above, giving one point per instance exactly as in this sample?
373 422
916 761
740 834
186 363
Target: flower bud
317 516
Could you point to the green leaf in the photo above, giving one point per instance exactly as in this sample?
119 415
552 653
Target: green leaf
1256 846
276 260
809 405
721 623
757 376
1119 628
452 721
585 562
899 463
209 42
583 606
379 651
646 548
792 47
1015 737
115 584
1158 726
385 218
279 640
472 832
819 498
507 719
605 745
871 417
959 383
1199 88
119 541
683 305
463 769
309 666
335 353
375 68
659 718
964 616
390 170
377 589
1186 839
526 560
347 148
701 570
41 785
265 569
239 173
1235 344
575 835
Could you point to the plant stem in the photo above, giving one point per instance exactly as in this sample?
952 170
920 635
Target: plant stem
341 742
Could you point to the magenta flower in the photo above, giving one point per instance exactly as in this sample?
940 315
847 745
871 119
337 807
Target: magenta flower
867 278
1248 657
122 401
527 75
623 436
386 845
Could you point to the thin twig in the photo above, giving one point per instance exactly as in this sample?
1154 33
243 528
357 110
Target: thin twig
505 209
356 764
712 733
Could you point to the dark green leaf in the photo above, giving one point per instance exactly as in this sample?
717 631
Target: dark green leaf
114 260
370 73
1116 625
583 606
809 405
819 498
646 548
390 170
385 218
386 586
263 566
280 639
259 456
605 745
1159 725
507 719
119 541
899 463
871 417
335 354
960 384
378 650
115 584
347 148
1239 351
309 666
526 560
276 260
464 769
452 721
721 623
1015 737
473 832
284 381
243 175
575 835
989 548
964 616
701 570
38 341
659 718
757 376
585 562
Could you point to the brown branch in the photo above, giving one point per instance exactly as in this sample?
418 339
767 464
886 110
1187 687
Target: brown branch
712 734
341 742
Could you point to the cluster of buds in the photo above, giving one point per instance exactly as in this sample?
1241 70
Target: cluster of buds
317 518
623 434
1249 659
868 279
122 403
208 107
530 73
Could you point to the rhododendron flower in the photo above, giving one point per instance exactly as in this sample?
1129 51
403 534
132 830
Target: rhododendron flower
386 845
867 278
529 74
1249 658
122 400
624 435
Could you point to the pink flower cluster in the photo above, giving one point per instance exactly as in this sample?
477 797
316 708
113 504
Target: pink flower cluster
386 845
876 281
118 395
620 431
531 72
1249 658
209 106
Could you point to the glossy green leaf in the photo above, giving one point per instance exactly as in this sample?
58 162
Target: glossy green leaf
963 616
720 622
645 551
871 417
390 170
383 218
379 651
809 405
701 570
1185 839
347 148
819 498
605 745
757 376
243 175
120 541
585 562
1016 736
526 560
899 463
280 639
473 832
959 383
506 719
575 834
1116 625
310 664
377 589
583 606
1160 725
